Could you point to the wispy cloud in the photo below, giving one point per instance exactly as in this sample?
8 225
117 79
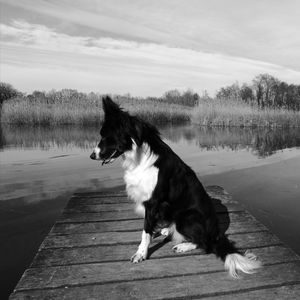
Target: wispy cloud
259 30
118 65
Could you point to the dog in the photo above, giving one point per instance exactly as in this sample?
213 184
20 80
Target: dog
166 192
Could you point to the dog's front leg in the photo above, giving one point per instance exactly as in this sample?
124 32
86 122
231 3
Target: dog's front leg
141 253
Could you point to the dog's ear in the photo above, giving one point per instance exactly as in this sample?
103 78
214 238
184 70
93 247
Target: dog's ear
109 106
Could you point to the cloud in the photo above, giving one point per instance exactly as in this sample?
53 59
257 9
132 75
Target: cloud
245 29
121 64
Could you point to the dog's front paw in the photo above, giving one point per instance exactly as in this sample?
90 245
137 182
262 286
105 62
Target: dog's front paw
137 257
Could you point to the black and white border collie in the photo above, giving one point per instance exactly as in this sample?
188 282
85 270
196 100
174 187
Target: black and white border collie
165 190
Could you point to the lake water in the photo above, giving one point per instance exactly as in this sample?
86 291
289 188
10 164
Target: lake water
41 167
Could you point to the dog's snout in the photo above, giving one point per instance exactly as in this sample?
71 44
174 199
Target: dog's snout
96 154
93 155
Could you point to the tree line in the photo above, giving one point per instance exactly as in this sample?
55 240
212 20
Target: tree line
7 91
264 91
187 97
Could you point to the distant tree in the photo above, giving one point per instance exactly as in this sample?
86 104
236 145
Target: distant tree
229 92
61 96
293 97
281 96
266 88
187 98
38 95
190 98
172 96
246 93
265 91
7 91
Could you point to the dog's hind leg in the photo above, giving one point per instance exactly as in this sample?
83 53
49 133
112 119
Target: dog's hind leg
191 226
184 247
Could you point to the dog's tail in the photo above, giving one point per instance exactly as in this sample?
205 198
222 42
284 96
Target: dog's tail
235 261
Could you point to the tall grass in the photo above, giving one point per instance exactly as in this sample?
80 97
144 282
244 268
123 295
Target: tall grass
216 112
88 111
22 110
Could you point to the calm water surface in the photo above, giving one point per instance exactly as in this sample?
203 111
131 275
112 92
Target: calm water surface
41 167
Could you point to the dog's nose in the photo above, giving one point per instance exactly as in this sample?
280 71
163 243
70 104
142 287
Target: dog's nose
93 155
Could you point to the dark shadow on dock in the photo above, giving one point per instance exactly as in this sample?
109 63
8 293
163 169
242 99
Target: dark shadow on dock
157 246
222 214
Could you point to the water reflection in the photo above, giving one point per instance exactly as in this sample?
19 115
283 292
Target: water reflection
262 142
47 137
2 140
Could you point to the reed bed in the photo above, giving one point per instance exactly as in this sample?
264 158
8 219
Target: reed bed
88 111
21 111
236 113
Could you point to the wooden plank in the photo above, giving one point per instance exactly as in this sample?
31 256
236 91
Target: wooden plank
173 286
217 192
127 238
130 215
269 255
158 249
288 292
100 253
97 194
214 191
137 225
98 217
106 226
97 200
112 200
74 207
53 277
97 208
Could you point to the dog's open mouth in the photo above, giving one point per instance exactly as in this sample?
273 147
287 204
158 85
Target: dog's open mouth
109 159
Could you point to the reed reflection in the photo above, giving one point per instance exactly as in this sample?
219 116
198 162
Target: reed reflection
262 142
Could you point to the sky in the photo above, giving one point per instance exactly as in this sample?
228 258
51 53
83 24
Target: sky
144 47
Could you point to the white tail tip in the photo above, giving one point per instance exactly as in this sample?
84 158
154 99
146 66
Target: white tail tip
247 263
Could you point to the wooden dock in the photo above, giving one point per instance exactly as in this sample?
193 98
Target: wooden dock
86 256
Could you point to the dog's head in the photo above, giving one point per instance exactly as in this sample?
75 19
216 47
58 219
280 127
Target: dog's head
118 133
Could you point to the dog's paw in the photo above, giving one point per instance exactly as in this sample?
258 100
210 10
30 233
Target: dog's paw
184 247
165 232
137 257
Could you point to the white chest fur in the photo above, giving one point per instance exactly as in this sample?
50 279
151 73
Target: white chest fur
140 175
